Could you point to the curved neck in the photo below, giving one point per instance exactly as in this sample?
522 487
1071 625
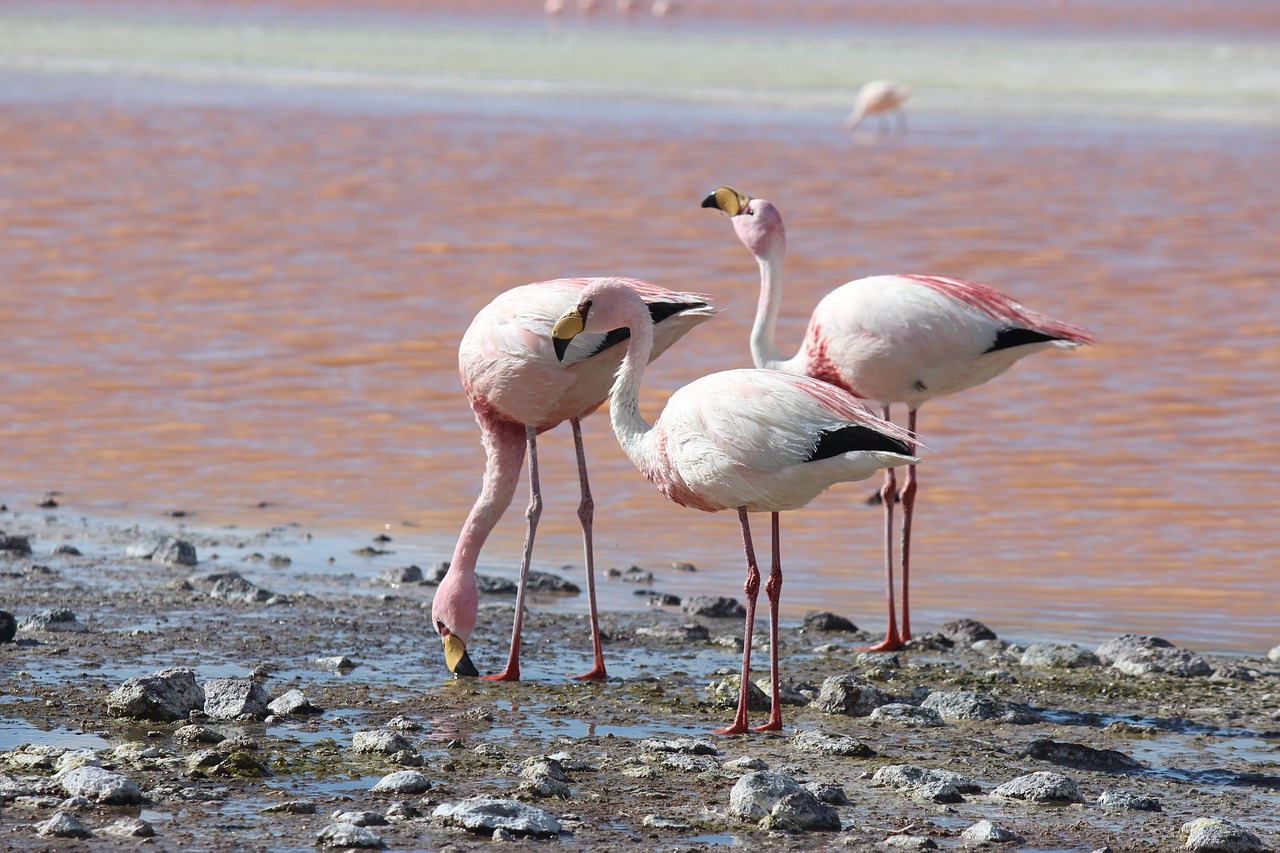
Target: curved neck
456 600
764 333
624 398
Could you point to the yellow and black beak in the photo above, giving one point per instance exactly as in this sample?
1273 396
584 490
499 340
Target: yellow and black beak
728 199
456 657
569 326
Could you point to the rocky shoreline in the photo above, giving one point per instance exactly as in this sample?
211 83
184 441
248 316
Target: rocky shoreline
151 690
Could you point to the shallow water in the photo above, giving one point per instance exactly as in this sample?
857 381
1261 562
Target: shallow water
244 301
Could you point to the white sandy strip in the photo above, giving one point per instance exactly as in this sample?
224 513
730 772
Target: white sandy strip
1238 83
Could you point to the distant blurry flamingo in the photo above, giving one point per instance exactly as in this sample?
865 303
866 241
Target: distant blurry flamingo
879 97
893 339
518 387
750 440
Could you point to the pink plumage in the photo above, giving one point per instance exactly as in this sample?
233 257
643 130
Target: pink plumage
749 440
518 388
892 339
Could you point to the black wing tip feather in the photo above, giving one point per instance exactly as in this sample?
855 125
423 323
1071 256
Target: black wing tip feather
1011 337
836 442
658 311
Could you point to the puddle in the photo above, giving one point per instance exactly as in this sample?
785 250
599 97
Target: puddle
15 732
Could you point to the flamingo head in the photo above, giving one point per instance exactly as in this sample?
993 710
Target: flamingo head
617 306
453 613
757 222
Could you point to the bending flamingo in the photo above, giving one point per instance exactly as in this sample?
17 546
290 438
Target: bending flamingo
879 97
748 440
518 388
892 339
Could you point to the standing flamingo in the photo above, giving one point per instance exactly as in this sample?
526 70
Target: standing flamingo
750 440
892 339
879 97
518 387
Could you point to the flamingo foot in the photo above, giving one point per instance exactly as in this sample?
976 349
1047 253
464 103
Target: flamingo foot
774 725
509 674
891 643
596 674
738 727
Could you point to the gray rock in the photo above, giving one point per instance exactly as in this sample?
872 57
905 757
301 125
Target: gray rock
1041 787
831 744
64 825
8 626
402 576
909 716
1057 656
235 699
130 827
1274 655
691 763
293 703
230 586
485 815
937 792
908 777
910 842
1080 757
1214 835
291 807
176 552
545 778
170 694
690 633
403 782
14 544
801 812
686 745
547 582
360 818
967 632
335 662
1128 801
100 786
713 606
379 742
662 822
340 835
726 692
986 832
968 705
820 620
196 733
755 794
827 792
846 694
57 620
1137 654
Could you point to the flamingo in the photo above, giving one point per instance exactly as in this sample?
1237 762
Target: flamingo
748 440
879 97
892 339
518 388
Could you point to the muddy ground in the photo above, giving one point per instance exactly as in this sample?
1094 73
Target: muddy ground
1205 746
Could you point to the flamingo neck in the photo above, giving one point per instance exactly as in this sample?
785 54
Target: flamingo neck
624 398
457 599
764 333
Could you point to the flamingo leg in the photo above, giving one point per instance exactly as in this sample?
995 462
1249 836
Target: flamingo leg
889 494
532 514
773 590
586 514
908 507
752 590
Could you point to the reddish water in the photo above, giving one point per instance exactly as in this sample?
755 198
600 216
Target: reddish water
213 297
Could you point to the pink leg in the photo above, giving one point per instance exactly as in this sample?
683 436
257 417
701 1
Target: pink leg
773 589
908 506
889 494
752 589
532 514
586 514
